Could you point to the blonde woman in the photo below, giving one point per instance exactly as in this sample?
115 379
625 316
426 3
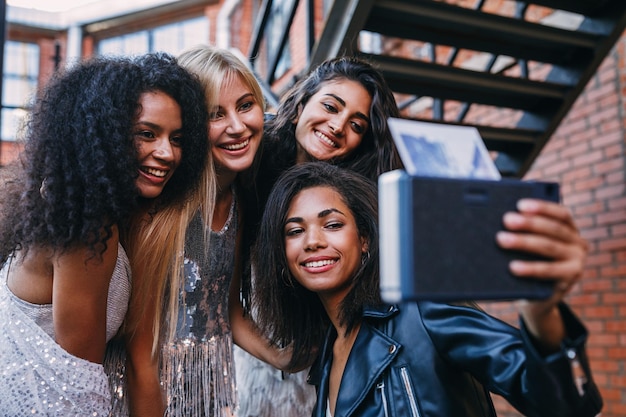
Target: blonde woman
197 371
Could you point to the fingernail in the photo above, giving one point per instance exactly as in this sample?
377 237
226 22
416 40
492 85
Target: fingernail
526 204
516 265
512 218
504 238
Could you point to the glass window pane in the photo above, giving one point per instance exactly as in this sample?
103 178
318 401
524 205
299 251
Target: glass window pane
21 58
19 84
17 92
130 44
193 32
172 38
166 39
12 123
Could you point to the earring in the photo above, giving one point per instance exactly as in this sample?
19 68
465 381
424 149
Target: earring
365 257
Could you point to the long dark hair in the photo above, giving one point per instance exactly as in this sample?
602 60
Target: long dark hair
287 311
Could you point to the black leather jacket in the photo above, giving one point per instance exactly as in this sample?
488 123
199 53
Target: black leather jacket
438 360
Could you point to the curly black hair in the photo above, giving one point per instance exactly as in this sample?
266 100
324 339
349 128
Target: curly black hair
80 161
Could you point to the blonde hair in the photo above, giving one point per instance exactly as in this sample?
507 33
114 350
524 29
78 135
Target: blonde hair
156 246
216 67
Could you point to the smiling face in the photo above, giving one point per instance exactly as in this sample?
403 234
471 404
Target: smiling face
322 243
235 127
334 120
157 133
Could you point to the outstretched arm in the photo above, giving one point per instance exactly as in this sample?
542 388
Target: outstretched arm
245 333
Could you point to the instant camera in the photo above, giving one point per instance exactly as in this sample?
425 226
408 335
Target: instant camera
439 217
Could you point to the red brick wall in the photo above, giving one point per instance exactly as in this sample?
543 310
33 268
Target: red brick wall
8 152
586 155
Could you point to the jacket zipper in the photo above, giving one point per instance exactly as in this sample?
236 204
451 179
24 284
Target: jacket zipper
381 386
409 391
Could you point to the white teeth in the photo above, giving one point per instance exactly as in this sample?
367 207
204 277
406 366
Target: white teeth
155 172
237 146
317 264
325 139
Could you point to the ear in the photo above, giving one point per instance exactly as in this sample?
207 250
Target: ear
365 245
297 118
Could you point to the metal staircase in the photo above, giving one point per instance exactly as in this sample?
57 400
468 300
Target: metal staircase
513 75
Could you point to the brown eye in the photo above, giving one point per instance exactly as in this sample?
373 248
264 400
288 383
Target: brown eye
144 134
330 108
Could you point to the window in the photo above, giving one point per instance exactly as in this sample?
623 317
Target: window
19 83
172 38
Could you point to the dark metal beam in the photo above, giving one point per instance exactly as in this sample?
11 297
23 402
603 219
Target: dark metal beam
341 30
450 83
444 24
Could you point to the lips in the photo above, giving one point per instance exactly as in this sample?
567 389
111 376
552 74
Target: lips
324 138
236 146
159 173
319 263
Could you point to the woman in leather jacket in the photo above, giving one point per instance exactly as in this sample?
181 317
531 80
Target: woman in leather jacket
318 291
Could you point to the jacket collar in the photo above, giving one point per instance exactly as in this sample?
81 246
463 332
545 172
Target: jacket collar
372 352
381 311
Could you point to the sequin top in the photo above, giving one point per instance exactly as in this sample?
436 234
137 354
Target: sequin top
117 301
38 376
197 371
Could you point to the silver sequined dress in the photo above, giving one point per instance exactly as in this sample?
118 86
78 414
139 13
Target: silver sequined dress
197 370
38 377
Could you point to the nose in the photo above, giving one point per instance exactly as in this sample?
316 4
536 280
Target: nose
314 239
163 149
337 125
235 125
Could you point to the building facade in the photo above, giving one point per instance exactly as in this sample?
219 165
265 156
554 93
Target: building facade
586 154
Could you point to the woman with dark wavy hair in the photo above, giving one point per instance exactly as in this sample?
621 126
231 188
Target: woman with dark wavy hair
114 148
337 113
317 264
336 85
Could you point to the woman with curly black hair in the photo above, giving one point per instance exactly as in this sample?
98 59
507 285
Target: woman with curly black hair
114 149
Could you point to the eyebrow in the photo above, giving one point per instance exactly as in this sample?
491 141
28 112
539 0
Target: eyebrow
320 215
237 101
149 124
155 126
245 96
343 103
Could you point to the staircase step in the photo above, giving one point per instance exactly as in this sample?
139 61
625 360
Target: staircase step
444 24
450 83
